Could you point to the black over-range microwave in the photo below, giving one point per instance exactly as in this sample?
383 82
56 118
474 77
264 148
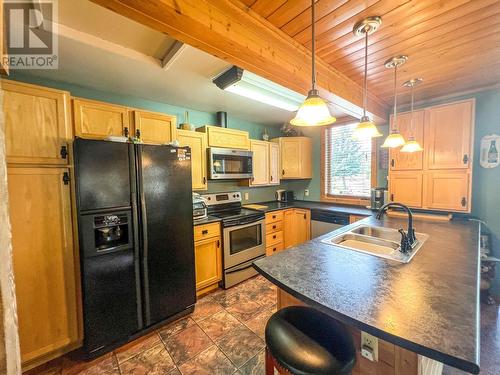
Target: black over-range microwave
229 164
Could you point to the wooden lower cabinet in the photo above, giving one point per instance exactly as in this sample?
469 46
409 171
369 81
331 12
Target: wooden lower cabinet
44 263
392 359
447 190
208 257
406 187
297 226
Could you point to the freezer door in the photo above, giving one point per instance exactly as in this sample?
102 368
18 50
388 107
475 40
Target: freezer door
166 216
102 174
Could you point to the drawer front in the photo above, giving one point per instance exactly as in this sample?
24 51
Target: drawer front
270 250
202 232
272 217
274 227
274 238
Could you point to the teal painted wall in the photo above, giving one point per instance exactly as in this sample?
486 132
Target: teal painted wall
197 118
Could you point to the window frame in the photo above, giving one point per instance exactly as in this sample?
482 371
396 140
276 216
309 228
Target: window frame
344 199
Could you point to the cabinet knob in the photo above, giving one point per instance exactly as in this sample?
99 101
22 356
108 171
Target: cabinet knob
204 180
464 202
274 237
204 231
392 162
304 216
465 159
66 178
274 226
274 249
274 216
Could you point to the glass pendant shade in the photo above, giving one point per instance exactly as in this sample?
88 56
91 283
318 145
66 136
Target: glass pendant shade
313 112
395 139
411 146
366 129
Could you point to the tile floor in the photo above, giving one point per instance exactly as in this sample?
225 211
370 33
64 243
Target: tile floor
225 335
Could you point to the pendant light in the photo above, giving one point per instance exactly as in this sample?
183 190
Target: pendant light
366 128
412 145
395 139
314 110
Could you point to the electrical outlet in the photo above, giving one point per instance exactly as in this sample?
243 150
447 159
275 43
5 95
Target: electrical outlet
247 196
369 346
306 192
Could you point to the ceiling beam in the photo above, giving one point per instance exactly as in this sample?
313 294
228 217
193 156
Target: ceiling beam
172 54
231 31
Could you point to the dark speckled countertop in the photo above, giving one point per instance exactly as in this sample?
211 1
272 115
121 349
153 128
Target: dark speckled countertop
311 205
429 306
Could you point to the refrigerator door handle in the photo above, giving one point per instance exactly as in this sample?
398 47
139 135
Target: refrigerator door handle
144 236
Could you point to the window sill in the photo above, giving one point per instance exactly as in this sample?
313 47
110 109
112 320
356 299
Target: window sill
346 200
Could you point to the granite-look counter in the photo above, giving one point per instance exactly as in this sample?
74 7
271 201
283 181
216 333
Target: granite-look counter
209 219
429 306
311 205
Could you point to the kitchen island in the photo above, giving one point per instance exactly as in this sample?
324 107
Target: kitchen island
429 306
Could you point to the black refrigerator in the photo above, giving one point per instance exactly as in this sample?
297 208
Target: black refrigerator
135 228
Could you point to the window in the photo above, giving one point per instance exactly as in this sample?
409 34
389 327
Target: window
347 165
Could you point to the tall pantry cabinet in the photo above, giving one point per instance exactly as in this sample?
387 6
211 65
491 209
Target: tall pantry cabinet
38 147
438 178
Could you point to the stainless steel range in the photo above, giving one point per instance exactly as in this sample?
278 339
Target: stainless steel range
243 235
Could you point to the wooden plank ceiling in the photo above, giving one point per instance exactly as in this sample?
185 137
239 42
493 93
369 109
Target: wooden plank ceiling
454 45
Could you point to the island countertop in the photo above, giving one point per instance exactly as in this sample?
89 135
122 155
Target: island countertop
429 306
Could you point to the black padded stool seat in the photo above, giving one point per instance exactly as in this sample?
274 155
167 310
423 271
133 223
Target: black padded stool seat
304 341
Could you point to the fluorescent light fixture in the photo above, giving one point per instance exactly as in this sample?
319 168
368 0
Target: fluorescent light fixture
249 85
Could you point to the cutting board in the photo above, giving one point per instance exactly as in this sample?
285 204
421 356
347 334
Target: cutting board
255 206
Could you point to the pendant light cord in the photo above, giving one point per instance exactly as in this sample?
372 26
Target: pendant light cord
365 83
411 115
395 125
313 45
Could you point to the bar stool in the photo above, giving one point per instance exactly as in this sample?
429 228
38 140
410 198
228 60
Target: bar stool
303 341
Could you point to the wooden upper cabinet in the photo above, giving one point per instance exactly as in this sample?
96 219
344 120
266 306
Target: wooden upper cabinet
295 157
260 162
274 163
448 134
37 126
198 144
406 188
224 137
44 264
154 127
97 120
401 161
447 190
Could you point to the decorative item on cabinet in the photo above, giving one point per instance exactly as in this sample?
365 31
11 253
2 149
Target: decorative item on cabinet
288 130
265 135
489 151
226 138
186 125
208 257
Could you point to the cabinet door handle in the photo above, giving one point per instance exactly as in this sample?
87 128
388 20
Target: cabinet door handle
274 226
204 180
464 202
64 152
465 159
274 237
271 178
274 249
125 131
274 216
392 197
204 231
392 162
304 216
283 172
66 178
218 243
138 133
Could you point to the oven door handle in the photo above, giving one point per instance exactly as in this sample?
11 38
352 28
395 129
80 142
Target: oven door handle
247 223
242 267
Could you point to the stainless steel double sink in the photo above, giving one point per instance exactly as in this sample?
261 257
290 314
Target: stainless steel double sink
377 241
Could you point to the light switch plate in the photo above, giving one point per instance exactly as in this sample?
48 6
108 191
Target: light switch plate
369 346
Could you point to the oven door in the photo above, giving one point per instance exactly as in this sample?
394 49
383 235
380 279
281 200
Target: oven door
229 164
243 243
